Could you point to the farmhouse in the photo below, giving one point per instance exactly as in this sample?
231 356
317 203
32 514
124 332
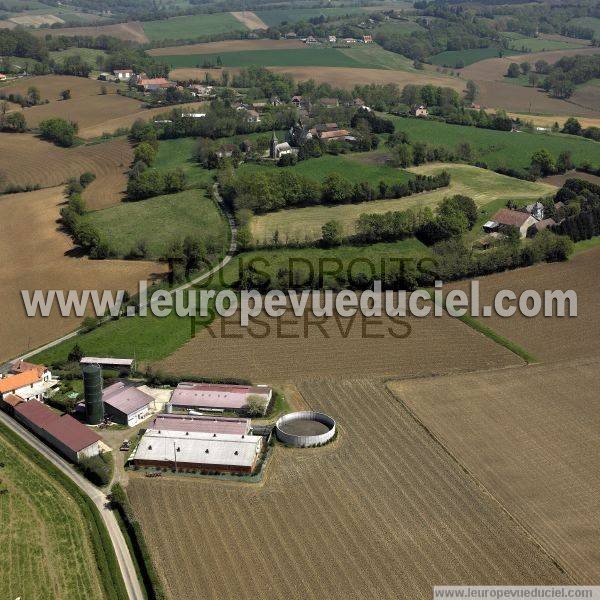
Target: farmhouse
329 102
253 116
506 218
311 40
218 398
367 39
152 85
540 226
332 39
420 111
196 450
65 434
126 404
201 91
117 364
206 424
123 74
28 383
536 210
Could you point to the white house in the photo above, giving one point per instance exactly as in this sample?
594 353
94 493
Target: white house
27 381
420 111
123 74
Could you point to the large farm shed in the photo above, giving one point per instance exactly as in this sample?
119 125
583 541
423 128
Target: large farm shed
118 364
208 424
198 451
126 404
65 434
217 397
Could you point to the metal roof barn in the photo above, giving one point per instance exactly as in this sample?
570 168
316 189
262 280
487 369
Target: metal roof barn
200 424
212 396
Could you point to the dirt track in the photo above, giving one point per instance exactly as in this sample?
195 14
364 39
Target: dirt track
383 513
36 255
527 434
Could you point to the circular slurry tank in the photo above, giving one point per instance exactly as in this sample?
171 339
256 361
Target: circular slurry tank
305 429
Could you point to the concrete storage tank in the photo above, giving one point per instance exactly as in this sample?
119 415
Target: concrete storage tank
92 391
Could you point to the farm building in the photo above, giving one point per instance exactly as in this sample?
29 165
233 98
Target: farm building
152 85
217 397
204 424
65 434
8 402
126 404
123 74
506 217
420 111
195 450
27 381
116 364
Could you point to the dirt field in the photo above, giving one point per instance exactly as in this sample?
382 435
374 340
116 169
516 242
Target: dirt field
526 434
429 347
227 46
559 180
250 20
36 255
34 161
36 20
551 339
50 87
124 31
383 512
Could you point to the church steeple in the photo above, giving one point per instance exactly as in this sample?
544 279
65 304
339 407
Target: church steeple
274 142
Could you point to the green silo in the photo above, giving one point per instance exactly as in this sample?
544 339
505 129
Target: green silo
92 390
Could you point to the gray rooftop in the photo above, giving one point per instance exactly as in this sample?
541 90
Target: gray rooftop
125 398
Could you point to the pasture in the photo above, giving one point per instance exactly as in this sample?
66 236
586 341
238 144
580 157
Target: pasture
453 58
191 26
500 148
480 184
550 339
161 220
178 153
382 509
43 533
34 161
525 434
529 44
131 31
47 260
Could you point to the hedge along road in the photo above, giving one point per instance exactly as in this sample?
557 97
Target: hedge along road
132 584
232 250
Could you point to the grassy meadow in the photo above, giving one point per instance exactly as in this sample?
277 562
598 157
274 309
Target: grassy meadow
177 153
191 26
480 184
500 148
160 220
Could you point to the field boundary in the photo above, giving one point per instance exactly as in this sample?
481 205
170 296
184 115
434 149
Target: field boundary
480 485
108 568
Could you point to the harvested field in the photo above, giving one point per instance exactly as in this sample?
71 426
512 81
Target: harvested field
383 512
549 120
43 534
526 435
36 20
559 180
551 339
44 258
50 87
34 161
250 20
293 347
131 31
227 46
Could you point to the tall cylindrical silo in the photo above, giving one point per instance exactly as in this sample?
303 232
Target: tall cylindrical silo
92 390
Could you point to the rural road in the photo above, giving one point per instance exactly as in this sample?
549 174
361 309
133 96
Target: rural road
132 583
185 286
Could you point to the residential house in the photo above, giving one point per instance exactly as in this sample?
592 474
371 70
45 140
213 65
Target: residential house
201 91
329 102
506 218
275 101
311 40
420 111
350 41
297 101
536 210
154 84
252 116
123 74
332 39
27 383
367 39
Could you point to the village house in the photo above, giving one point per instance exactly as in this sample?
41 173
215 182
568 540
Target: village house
253 116
536 210
506 218
27 381
123 74
201 91
154 84
351 41
311 40
329 102
332 39
367 39
296 101
420 111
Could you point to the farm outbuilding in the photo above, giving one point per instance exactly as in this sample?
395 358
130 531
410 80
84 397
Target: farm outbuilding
217 397
126 404
206 424
195 450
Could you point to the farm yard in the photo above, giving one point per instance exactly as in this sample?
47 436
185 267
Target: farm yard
160 220
107 160
382 509
43 533
551 340
45 261
525 434
480 184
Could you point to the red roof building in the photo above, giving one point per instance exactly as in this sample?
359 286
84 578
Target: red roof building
217 397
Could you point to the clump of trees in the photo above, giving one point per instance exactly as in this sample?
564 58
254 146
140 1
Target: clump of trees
582 209
146 183
59 131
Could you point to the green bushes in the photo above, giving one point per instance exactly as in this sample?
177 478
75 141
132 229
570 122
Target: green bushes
147 183
98 469
58 131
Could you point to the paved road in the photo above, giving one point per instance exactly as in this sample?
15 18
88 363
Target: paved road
185 286
100 500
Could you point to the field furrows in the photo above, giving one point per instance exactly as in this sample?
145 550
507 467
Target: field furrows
383 512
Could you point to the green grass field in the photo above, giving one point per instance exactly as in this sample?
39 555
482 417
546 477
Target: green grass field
89 55
44 536
500 148
160 220
347 165
589 23
178 153
485 187
191 26
451 58
529 44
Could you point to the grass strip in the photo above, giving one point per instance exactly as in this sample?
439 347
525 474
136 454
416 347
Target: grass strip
104 553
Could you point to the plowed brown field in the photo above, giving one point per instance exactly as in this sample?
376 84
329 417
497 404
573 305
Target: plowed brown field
551 339
36 255
434 345
383 512
528 435
124 31
31 160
